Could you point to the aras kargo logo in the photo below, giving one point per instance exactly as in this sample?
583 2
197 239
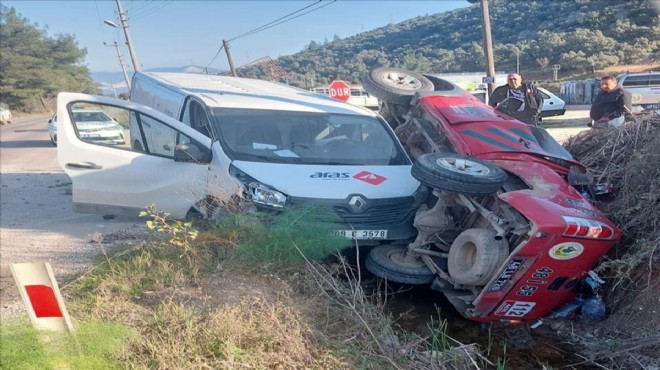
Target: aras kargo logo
370 178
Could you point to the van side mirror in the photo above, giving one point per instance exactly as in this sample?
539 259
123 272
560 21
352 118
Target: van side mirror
192 153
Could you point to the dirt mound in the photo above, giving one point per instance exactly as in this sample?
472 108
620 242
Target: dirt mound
628 159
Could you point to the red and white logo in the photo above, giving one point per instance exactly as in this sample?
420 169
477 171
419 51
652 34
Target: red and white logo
370 178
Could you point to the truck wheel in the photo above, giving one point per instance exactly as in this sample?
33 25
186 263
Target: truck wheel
459 174
387 261
439 84
475 256
395 85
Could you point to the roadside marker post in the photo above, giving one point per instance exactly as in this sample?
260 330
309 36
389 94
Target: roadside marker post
38 288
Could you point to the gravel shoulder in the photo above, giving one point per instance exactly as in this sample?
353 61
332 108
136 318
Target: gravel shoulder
37 223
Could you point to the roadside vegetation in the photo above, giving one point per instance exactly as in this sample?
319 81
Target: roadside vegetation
254 291
627 158
36 66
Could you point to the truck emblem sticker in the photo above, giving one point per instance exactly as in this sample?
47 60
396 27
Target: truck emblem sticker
370 178
515 308
566 251
506 275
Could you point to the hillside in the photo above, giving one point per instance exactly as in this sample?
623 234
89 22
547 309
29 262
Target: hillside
580 35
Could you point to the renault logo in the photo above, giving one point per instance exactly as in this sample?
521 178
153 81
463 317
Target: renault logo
358 204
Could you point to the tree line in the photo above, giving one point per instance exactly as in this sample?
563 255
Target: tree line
579 35
36 66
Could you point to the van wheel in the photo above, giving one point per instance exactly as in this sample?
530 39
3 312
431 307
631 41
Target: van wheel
475 256
459 174
389 262
395 85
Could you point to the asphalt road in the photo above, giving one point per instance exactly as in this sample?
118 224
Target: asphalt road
37 223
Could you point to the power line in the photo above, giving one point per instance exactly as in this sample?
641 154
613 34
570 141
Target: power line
274 23
262 27
145 12
216 55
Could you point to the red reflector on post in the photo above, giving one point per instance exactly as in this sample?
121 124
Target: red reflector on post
43 301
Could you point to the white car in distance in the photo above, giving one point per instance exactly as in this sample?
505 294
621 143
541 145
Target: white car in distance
5 116
93 126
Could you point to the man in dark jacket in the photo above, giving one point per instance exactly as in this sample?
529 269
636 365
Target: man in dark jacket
521 101
609 106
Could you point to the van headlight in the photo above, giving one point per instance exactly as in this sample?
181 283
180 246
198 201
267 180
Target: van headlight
262 194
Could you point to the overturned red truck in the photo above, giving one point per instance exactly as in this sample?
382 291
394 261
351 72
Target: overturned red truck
509 232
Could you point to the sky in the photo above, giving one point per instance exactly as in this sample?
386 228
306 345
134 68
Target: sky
180 33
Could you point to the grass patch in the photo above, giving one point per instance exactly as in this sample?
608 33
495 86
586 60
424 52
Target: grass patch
269 238
23 347
277 307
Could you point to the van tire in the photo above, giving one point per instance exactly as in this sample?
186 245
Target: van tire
384 261
475 256
395 85
458 174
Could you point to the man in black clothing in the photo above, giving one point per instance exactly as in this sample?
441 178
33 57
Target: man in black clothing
520 100
609 106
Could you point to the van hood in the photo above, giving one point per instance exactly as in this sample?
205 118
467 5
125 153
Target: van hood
332 182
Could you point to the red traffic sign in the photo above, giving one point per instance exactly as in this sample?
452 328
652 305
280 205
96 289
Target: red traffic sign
339 90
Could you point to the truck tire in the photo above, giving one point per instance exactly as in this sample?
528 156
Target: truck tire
475 256
459 174
439 84
395 85
385 261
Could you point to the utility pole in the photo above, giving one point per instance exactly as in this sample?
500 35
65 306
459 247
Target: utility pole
121 63
488 45
225 44
129 42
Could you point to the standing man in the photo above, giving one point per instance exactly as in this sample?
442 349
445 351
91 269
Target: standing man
609 106
521 101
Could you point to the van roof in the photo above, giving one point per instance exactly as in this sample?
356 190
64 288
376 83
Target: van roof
236 92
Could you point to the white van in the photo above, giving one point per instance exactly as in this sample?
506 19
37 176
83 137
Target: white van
644 89
193 141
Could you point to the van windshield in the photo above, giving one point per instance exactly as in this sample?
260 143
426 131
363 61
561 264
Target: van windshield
305 137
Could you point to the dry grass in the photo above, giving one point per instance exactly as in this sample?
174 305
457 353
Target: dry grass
648 65
192 310
628 158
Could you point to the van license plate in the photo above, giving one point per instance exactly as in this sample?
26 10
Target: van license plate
362 234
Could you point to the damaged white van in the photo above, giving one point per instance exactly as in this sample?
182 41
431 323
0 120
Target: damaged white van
198 140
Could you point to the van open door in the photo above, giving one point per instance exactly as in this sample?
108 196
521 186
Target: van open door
122 157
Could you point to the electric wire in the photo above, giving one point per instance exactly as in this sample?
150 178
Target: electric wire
263 28
274 23
278 19
145 12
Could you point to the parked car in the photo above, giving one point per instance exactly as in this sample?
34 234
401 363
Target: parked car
5 116
552 104
93 126
644 89
509 231
204 140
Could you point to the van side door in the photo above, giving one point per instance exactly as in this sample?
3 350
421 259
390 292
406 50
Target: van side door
157 160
